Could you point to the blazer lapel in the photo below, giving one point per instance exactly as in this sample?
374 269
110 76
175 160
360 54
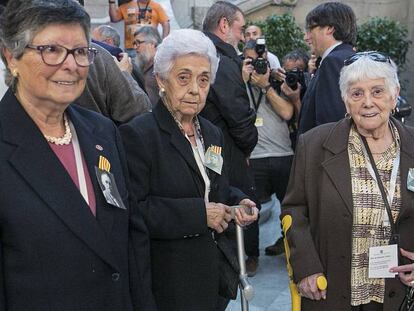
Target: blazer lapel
38 165
90 139
337 166
167 124
209 140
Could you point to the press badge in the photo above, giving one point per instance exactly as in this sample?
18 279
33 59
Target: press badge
259 122
381 260
213 159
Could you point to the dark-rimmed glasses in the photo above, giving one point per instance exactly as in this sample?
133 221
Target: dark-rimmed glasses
373 55
54 54
138 42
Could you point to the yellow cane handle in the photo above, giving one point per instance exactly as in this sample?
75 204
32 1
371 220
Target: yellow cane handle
321 282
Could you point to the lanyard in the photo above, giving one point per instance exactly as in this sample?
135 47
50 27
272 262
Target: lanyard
372 168
142 10
255 103
79 164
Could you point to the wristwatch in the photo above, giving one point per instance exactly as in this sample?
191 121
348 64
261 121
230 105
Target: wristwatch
266 89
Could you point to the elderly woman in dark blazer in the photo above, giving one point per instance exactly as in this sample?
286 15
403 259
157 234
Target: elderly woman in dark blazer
62 245
175 162
339 212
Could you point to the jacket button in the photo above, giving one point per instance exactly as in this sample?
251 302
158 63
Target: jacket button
115 276
391 294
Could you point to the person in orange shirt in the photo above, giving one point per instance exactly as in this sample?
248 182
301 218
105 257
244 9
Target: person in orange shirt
137 13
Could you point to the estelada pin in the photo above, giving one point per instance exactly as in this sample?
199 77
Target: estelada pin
104 164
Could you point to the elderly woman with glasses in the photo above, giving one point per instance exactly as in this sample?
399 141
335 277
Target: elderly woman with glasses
175 160
350 196
63 246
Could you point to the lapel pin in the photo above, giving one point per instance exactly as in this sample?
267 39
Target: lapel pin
99 147
104 164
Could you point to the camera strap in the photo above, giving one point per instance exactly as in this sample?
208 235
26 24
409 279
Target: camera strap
259 100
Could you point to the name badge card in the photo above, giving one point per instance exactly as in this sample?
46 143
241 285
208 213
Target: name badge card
259 122
381 259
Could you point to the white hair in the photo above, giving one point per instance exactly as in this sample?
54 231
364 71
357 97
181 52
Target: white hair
364 69
184 42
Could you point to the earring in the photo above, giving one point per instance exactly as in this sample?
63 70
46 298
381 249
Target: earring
15 73
161 92
348 116
393 111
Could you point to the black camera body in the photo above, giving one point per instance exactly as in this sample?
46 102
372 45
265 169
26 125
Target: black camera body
260 64
293 77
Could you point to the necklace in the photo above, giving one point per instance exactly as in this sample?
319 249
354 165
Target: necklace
65 139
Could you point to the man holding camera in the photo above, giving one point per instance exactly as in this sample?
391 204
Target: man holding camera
272 157
330 33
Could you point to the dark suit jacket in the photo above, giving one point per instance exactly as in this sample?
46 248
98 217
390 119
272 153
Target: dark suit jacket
322 102
319 198
170 192
228 107
54 254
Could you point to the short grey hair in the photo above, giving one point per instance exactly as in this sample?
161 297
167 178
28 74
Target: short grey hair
365 69
108 32
217 11
150 34
21 20
184 42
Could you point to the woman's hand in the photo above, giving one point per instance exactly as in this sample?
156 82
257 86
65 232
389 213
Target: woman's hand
406 272
308 288
243 217
218 216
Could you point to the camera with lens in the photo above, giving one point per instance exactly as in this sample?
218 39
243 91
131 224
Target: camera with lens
260 64
293 77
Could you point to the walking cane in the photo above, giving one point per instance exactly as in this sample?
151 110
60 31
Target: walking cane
246 289
321 281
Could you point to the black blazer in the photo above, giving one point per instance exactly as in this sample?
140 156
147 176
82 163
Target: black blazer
322 102
170 193
54 254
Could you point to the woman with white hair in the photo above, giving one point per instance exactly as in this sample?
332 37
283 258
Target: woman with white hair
178 179
350 196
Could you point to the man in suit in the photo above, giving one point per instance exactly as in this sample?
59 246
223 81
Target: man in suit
228 106
331 34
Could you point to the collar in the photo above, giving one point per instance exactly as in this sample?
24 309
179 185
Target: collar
221 46
330 49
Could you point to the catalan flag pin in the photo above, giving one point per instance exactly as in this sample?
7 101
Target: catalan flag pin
104 164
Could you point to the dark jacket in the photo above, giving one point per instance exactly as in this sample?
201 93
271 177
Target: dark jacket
112 92
322 102
319 198
54 254
169 190
228 108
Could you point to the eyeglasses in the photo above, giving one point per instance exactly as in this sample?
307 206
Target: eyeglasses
373 55
55 54
138 42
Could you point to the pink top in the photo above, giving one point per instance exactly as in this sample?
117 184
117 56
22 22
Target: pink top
66 155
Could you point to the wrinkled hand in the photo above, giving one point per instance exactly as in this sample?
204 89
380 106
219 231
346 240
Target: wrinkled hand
292 95
218 216
247 69
245 217
308 288
406 272
279 74
125 64
260 80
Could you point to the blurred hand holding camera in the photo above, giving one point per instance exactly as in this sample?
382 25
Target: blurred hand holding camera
247 69
125 64
260 80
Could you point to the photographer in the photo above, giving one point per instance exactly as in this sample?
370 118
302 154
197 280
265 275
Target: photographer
271 159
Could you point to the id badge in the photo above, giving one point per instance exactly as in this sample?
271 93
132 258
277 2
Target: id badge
259 122
381 259
213 159
109 189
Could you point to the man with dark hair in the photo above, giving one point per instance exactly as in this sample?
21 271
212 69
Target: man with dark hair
331 34
228 105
